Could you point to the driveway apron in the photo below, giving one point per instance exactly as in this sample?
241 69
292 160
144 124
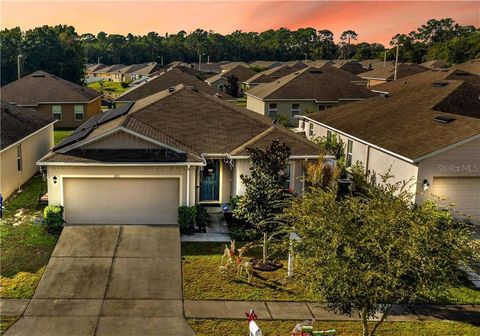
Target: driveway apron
109 280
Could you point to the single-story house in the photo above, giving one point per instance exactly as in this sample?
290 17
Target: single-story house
91 68
25 138
220 81
351 66
471 66
425 127
138 163
434 64
306 91
170 78
54 97
227 65
265 65
110 73
272 75
386 72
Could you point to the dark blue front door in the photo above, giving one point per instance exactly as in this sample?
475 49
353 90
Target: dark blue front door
210 181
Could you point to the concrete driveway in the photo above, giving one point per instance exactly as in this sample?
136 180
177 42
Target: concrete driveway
109 280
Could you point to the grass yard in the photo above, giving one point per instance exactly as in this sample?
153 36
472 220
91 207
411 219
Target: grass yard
108 87
59 135
202 279
26 246
242 102
284 328
6 322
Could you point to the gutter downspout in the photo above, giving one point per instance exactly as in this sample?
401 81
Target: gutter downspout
188 185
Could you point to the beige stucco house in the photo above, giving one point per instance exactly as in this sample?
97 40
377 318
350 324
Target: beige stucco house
52 97
306 91
26 137
425 129
136 164
383 72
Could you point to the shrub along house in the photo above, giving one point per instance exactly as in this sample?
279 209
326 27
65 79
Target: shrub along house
26 137
426 127
52 97
137 163
306 91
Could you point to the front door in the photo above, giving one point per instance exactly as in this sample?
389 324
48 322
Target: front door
210 181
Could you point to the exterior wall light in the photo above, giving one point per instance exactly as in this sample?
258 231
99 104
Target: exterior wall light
54 180
426 185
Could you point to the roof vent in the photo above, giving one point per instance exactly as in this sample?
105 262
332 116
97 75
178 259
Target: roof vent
38 75
439 84
444 119
171 89
462 73
384 95
192 88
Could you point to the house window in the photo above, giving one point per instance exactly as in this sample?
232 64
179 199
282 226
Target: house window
288 170
78 109
349 153
311 129
19 158
323 107
272 110
57 112
295 111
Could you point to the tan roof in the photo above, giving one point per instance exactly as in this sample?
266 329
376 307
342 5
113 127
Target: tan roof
231 65
265 64
172 77
351 66
42 87
472 66
387 72
433 64
239 71
198 123
404 122
320 84
110 68
270 75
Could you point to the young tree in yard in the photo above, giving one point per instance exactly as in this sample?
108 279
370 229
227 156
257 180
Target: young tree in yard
364 253
265 192
232 87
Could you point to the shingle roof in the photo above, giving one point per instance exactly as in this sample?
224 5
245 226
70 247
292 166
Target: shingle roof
18 123
404 122
239 71
353 67
270 75
321 84
198 123
265 64
110 68
230 65
472 66
172 77
42 87
433 64
387 72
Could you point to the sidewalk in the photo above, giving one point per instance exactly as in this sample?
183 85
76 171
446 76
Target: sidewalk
306 310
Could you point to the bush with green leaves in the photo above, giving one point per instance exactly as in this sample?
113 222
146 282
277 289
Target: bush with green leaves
202 218
186 217
265 193
53 218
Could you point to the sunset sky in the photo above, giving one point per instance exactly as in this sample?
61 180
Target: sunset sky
374 21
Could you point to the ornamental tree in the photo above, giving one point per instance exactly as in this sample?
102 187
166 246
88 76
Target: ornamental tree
365 252
265 192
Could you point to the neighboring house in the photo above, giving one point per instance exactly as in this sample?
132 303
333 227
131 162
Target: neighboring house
425 128
166 80
137 71
318 63
91 68
306 91
138 163
434 64
383 74
53 97
110 73
26 137
351 66
220 81
472 66
226 65
265 64
272 75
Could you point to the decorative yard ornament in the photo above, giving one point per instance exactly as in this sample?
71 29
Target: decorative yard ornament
228 253
252 325
244 264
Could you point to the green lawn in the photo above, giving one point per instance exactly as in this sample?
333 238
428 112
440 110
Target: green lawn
6 322
283 328
204 280
26 246
59 135
108 87
242 102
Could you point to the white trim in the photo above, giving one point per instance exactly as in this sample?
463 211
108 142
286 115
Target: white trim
59 102
133 164
28 136
75 112
180 177
292 157
361 141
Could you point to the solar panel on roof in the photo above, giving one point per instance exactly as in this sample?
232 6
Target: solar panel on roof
115 113
73 138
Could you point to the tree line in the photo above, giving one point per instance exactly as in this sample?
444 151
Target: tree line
62 51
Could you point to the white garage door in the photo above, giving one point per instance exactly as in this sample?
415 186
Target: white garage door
464 192
121 200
